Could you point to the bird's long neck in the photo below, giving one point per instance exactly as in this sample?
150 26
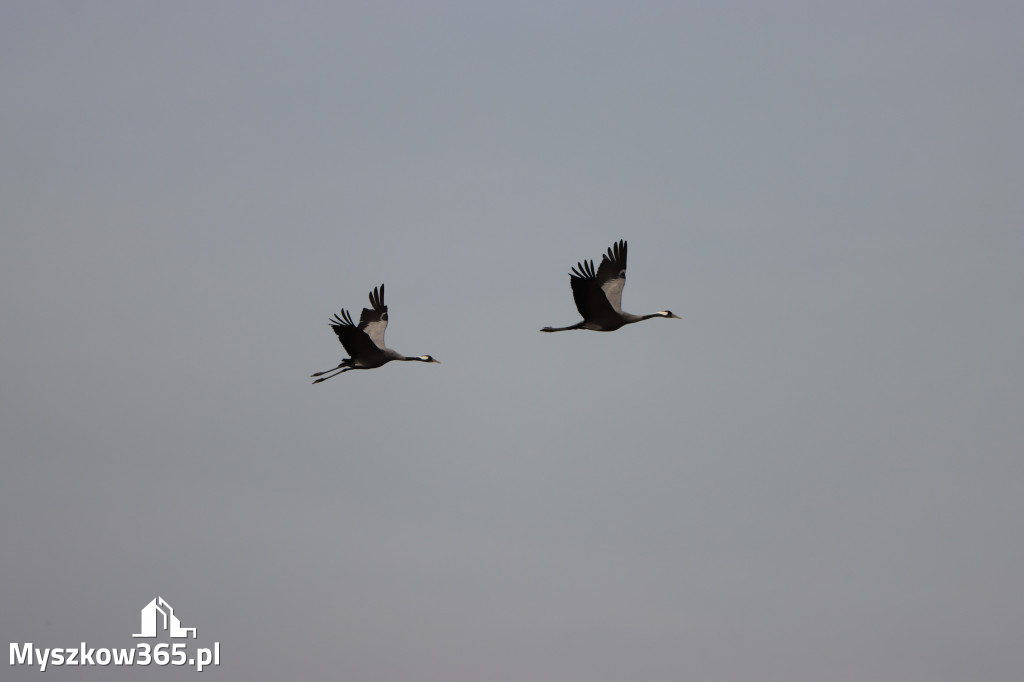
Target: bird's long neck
630 318
660 313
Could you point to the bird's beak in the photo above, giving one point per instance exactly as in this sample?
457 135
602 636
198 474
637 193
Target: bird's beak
437 361
675 317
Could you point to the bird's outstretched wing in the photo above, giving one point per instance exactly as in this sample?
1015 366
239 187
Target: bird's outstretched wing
355 340
599 293
611 274
374 321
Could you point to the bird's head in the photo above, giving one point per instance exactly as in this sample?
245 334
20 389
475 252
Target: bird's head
668 313
427 358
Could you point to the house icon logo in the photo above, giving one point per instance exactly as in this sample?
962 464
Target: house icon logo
169 621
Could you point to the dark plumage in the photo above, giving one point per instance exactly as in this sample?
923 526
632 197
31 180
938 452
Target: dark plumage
598 294
365 342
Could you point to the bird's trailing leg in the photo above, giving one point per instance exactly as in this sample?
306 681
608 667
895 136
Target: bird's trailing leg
320 374
578 325
344 364
329 376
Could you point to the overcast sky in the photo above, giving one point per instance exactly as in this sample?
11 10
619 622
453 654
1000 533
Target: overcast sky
815 474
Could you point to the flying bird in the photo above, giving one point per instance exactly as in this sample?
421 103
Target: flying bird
598 294
365 342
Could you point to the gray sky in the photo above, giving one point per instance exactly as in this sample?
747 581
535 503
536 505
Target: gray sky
814 475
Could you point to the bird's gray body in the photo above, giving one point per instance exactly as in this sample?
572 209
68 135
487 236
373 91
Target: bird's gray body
598 294
364 342
377 358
